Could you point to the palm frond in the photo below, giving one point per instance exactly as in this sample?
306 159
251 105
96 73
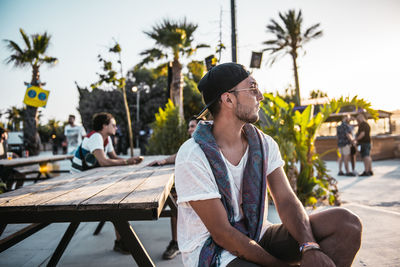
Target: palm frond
31 56
41 42
288 36
50 60
26 38
151 55
202 46
17 60
13 47
173 36
310 30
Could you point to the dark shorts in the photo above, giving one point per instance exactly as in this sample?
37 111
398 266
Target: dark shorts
353 150
365 149
278 242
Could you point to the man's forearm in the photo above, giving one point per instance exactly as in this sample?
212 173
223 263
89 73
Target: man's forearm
243 247
113 162
295 219
289 207
360 136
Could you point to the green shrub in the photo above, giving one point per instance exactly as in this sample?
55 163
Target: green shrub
169 131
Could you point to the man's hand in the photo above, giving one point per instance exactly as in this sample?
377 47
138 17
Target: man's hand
135 160
316 258
157 163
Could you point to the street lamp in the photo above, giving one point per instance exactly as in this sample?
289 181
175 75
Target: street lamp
137 89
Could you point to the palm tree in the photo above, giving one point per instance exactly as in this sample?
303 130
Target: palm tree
288 39
173 38
33 55
15 116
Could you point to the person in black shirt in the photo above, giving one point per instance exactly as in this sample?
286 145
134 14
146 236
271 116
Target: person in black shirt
363 138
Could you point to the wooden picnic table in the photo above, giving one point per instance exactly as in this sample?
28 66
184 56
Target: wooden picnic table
19 162
117 194
10 170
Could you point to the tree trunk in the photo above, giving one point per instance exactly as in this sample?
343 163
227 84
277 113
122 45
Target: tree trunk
176 93
31 135
128 118
128 114
296 80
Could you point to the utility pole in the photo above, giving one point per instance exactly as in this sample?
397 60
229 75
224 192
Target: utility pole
220 35
233 25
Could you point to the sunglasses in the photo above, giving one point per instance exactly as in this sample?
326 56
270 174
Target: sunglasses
253 90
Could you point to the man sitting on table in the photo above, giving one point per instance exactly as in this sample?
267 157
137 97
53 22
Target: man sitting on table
221 178
96 150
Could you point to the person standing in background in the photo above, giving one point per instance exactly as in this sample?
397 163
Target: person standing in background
363 138
73 134
344 144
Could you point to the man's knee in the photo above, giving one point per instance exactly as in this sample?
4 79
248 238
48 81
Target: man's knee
349 225
339 222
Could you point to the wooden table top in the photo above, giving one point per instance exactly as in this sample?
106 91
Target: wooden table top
96 194
32 160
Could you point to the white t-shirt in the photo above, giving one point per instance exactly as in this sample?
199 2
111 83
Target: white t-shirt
194 180
74 136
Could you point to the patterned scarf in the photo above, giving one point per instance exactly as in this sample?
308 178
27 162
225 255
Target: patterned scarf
254 186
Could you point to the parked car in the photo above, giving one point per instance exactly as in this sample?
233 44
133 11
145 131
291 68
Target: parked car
16 142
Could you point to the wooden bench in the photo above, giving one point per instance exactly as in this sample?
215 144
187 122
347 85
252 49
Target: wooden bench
33 168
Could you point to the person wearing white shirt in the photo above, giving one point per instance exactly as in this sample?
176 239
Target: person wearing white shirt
73 134
96 150
221 179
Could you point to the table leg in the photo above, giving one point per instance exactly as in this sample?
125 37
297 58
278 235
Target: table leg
63 244
131 241
2 228
99 227
173 207
172 204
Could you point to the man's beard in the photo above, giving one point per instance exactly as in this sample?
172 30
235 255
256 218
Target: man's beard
246 114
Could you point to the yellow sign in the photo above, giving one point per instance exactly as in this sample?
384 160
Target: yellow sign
36 96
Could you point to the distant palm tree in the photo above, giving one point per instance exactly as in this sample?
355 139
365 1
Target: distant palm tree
289 38
15 116
173 38
33 55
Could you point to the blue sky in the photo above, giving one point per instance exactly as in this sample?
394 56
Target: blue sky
357 55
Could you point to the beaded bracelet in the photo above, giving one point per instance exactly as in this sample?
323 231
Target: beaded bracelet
309 246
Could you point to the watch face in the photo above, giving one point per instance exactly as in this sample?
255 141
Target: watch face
91 160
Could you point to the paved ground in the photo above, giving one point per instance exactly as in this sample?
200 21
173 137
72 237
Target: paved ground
375 199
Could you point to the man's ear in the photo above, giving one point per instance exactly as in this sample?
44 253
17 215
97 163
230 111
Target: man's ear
227 100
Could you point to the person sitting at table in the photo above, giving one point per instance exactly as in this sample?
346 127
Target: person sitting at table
172 249
96 150
3 143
